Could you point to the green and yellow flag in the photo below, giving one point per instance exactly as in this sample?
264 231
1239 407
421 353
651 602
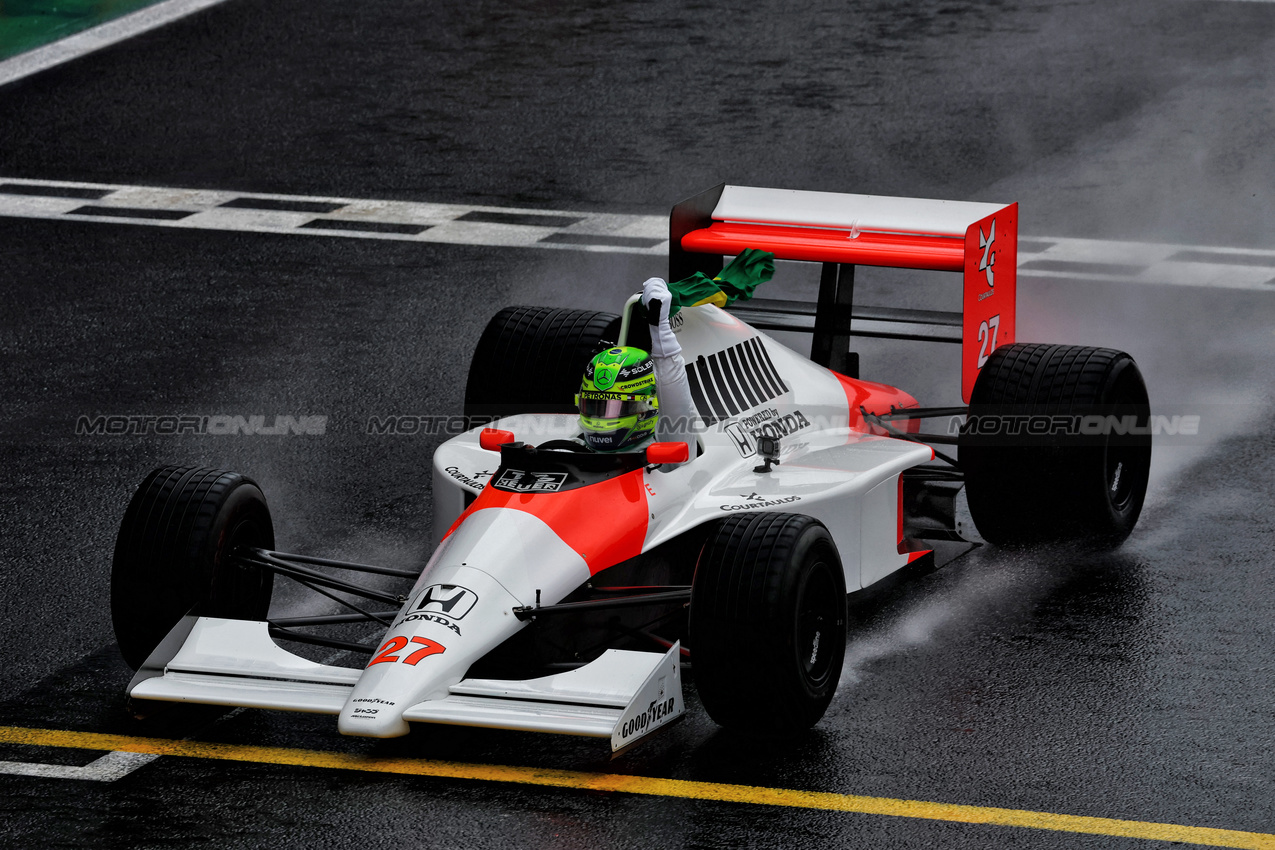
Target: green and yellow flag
738 280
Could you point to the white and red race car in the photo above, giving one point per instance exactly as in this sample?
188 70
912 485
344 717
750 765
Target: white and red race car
569 588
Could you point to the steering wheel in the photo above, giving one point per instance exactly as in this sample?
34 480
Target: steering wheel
562 446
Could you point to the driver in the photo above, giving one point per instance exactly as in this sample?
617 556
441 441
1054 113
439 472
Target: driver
629 396
619 408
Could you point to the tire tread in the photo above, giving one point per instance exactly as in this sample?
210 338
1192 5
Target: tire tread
166 559
1049 488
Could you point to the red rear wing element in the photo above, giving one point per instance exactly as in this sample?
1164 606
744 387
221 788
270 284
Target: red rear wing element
842 231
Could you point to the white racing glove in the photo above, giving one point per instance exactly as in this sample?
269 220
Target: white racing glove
677 408
657 300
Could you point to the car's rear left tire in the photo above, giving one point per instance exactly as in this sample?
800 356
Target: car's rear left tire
173 555
1057 447
531 360
768 623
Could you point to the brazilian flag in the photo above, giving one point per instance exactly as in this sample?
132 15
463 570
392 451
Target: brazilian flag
738 280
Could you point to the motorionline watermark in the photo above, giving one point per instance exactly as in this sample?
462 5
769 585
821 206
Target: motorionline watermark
119 425
775 422
541 425
1075 425
799 421
411 424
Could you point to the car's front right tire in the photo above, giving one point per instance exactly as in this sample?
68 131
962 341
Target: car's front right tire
768 623
531 360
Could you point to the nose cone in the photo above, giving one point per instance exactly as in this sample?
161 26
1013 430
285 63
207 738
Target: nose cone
454 616
461 609
370 717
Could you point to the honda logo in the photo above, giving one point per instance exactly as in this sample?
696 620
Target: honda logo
450 600
743 440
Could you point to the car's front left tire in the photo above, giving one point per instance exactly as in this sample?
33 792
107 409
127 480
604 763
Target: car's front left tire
173 555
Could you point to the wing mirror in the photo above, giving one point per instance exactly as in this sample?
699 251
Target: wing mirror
492 439
667 453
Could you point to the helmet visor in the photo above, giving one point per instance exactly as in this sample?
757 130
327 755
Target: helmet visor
596 405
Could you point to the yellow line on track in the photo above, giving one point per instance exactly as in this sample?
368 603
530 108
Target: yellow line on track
652 786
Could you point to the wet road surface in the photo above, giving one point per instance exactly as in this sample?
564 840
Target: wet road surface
1135 685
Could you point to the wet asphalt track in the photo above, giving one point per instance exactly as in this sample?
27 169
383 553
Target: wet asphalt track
1136 685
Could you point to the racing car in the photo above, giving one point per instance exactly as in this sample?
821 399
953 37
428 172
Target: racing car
570 589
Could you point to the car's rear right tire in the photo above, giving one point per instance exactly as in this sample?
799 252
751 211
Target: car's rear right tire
1043 452
531 360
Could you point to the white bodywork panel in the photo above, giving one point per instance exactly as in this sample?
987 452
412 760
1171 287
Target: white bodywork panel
610 681
234 662
622 696
866 212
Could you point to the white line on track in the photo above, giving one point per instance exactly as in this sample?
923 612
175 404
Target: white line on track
305 215
108 768
458 224
103 35
114 765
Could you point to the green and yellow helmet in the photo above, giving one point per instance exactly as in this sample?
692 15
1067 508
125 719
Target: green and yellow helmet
617 401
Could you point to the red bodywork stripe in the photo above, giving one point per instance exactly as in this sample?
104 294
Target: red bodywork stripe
900 515
903 541
989 303
605 522
875 398
826 245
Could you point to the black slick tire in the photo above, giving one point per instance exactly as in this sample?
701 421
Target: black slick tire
173 555
531 360
1057 447
768 623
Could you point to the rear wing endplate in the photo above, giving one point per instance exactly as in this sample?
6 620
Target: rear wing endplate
841 231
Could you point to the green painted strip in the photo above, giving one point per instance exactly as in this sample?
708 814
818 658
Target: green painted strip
28 24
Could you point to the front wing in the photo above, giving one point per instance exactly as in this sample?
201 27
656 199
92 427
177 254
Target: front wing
623 695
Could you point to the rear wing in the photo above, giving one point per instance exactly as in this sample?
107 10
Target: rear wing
841 231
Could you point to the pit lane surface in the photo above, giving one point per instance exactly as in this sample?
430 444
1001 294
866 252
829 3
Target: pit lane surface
1134 686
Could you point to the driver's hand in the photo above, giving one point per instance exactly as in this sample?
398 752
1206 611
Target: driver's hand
656 299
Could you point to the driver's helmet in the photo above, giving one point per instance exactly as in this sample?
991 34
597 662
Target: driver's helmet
617 402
